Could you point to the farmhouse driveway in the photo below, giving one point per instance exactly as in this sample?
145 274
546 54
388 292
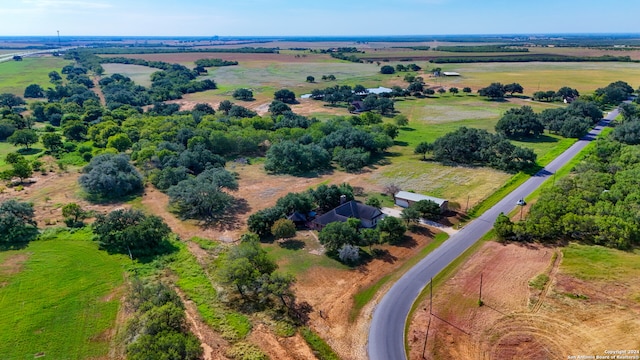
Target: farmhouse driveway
396 213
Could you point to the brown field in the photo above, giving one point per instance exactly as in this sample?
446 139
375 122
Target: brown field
189 58
569 316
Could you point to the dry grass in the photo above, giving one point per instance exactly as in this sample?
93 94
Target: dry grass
569 316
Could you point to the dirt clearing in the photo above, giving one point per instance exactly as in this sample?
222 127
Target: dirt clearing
564 316
331 292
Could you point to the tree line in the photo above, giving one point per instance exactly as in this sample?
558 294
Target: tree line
595 204
528 58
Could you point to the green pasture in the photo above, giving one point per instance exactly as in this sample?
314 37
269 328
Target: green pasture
6 148
589 262
141 75
58 298
15 76
294 256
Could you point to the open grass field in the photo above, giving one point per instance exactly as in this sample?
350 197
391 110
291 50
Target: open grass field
59 299
15 76
534 76
139 74
539 302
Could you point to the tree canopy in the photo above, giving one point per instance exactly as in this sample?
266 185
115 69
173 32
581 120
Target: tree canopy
203 197
131 232
479 147
17 222
110 176
520 122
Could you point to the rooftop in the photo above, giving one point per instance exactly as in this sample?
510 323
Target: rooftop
418 197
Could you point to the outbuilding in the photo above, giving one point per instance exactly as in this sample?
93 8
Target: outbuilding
405 199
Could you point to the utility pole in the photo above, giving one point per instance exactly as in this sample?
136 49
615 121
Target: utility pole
467 208
480 295
424 348
431 298
521 206
58 37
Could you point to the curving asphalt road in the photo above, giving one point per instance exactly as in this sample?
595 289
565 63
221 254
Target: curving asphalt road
386 334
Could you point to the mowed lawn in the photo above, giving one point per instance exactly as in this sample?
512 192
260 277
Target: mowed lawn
59 299
15 76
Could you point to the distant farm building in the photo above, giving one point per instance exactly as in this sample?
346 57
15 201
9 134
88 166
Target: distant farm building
368 215
450 73
405 199
358 106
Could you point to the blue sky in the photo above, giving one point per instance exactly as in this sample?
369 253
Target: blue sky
320 17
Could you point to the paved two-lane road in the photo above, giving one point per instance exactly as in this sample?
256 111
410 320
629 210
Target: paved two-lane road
386 334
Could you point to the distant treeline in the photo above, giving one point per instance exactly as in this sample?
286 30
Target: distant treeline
341 56
122 60
133 50
424 48
529 58
482 48
215 62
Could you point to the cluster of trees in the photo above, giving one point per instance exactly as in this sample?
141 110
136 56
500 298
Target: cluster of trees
629 131
132 232
478 147
410 67
21 168
498 90
342 56
201 197
596 204
214 62
613 94
345 238
426 209
573 121
519 122
563 93
323 198
349 143
387 70
243 94
17 224
110 176
170 83
158 328
347 95
248 268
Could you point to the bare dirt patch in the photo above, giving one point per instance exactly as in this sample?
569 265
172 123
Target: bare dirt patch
291 348
516 321
49 193
213 345
13 264
331 291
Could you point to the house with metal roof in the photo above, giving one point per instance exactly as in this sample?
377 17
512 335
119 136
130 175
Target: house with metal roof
405 199
369 216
